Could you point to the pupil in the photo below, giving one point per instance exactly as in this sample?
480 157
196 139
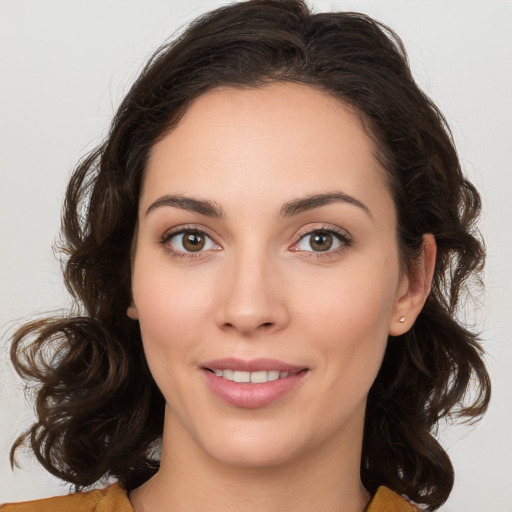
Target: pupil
193 242
321 242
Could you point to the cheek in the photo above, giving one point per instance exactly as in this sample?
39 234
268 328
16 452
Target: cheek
360 297
348 317
168 297
175 311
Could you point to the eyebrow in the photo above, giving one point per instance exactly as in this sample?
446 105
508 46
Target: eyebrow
311 202
202 206
294 207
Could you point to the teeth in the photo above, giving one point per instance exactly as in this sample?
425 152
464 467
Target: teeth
259 377
253 377
228 374
273 375
241 376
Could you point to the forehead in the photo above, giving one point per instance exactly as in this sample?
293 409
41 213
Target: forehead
281 137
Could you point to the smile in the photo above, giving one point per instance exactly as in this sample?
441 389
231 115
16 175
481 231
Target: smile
258 377
254 383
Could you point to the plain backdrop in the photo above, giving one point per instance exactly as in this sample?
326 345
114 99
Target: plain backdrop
65 65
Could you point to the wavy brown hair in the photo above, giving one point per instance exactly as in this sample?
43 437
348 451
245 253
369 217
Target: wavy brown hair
99 410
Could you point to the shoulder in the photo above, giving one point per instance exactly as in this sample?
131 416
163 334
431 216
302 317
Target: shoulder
386 500
112 499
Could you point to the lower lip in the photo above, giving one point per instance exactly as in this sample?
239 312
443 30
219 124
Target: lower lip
252 396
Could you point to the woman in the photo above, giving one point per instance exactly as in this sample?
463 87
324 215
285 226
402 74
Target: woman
267 252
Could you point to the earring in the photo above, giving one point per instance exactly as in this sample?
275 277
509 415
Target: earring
402 319
132 312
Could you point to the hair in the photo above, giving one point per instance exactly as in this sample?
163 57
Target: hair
100 413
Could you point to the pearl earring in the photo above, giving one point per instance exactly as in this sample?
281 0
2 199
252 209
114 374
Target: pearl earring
402 319
132 312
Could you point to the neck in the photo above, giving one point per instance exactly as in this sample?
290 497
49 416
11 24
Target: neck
327 479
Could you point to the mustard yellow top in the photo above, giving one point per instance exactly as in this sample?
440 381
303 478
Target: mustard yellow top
115 499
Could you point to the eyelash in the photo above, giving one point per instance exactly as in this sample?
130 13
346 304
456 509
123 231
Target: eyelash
164 242
339 234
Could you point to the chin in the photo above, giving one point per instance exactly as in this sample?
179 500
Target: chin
254 457
254 447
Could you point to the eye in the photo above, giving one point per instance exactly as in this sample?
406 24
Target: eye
324 240
186 242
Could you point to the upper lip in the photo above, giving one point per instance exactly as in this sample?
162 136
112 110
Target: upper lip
252 365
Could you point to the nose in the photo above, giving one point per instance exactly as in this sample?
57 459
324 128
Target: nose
254 297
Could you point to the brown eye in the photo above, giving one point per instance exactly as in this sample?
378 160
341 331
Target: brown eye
193 241
188 241
320 241
323 240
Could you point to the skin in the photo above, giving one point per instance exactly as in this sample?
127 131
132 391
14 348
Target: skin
257 289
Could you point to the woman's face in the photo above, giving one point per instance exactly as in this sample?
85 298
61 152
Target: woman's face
266 243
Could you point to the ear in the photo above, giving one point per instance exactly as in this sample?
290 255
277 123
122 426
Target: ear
132 312
414 288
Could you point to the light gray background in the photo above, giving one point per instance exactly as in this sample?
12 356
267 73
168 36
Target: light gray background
65 65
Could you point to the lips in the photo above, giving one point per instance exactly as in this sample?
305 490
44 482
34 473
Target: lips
253 365
252 384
